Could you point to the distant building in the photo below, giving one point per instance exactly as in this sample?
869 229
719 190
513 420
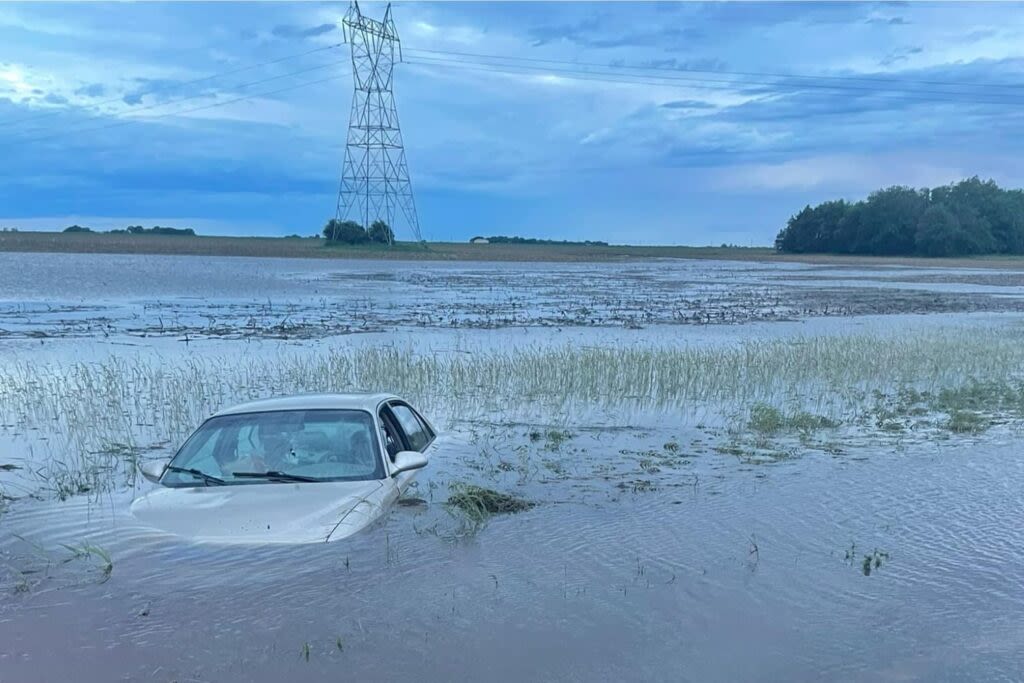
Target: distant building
479 240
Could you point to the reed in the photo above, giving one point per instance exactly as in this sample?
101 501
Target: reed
100 418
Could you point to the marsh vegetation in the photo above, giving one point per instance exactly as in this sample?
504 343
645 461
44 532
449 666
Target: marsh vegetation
100 418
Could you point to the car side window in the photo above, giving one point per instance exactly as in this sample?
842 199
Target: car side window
417 434
392 439
426 426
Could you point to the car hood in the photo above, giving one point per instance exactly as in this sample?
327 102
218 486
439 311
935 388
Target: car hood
263 513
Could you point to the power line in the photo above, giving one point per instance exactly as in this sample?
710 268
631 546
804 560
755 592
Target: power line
182 99
242 98
195 81
700 83
734 83
723 72
537 66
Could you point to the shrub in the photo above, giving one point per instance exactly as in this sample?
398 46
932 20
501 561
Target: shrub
345 232
381 233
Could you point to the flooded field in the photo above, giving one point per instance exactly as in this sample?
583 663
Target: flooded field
718 471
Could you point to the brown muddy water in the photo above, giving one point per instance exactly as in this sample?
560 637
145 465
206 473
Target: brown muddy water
865 530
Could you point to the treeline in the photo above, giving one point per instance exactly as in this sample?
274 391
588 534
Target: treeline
351 232
966 218
137 230
503 239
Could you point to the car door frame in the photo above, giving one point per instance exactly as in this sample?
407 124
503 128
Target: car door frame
402 478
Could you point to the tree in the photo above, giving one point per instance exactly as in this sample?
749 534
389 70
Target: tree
381 233
77 228
939 233
987 212
813 229
888 222
968 217
346 232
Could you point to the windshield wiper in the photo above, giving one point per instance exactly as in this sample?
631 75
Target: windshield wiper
272 475
207 478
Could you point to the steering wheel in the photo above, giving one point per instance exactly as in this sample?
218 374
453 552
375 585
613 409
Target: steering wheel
331 456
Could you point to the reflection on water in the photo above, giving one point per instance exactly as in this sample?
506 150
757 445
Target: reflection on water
745 575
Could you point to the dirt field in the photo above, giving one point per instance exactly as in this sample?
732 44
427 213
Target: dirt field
290 247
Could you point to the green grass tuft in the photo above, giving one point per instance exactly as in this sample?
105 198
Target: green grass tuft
767 420
479 503
967 422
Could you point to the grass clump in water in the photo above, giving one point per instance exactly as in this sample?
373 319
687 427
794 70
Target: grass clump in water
873 561
94 552
555 438
869 562
479 503
767 419
967 422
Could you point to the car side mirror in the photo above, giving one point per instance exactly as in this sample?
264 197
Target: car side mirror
154 469
408 460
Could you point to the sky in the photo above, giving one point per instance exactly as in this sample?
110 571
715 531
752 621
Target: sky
659 123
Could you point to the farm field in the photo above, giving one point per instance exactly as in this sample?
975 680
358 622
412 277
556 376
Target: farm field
306 248
813 465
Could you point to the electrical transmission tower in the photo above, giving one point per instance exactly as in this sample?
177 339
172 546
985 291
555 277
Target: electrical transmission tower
375 181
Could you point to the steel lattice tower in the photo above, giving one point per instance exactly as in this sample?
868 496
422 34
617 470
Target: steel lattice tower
375 177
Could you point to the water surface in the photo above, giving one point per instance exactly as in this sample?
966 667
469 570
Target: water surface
652 553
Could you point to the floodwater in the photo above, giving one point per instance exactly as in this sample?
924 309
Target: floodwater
649 555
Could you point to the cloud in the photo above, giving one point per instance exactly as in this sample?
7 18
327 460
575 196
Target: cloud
597 33
166 89
759 15
290 32
22 83
669 63
900 55
542 35
91 90
860 173
888 21
688 104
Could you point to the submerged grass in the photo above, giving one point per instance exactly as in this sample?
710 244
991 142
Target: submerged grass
99 417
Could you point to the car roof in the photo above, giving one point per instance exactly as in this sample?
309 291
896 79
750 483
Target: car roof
350 401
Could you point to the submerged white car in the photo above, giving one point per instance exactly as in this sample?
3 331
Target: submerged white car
301 469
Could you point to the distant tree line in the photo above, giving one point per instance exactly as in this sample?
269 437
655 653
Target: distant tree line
966 218
503 239
138 230
351 232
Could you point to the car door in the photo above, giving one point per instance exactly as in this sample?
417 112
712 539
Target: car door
409 431
393 442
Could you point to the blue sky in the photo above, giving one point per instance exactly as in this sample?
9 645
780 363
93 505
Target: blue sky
92 129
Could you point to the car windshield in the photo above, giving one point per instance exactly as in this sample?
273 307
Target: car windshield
276 447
